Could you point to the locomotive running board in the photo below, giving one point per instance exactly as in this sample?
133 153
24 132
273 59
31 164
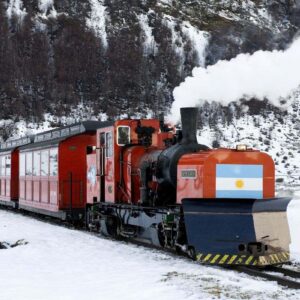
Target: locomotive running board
238 231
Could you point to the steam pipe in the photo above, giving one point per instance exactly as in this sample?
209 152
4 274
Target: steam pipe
189 125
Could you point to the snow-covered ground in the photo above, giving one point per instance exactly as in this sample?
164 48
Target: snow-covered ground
294 222
59 263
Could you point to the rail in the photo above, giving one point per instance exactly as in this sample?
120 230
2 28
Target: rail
285 280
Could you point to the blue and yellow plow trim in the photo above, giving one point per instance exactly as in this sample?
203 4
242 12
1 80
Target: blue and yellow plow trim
226 231
247 260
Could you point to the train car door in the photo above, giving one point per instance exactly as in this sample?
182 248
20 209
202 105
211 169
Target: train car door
102 166
107 167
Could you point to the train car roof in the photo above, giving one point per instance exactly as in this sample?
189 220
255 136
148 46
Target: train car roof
55 136
13 144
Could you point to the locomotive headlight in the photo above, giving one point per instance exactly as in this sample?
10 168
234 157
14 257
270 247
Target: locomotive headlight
241 147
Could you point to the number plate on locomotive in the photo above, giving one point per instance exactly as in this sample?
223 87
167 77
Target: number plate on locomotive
189 174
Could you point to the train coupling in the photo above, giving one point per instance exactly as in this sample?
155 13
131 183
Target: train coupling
254 248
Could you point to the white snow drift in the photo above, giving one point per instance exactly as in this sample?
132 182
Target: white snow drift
62 264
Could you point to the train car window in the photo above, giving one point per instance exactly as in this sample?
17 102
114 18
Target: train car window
36 163
8 165
22 164
102 139
29 164
53 162
3 165
45 163
123 135
109 144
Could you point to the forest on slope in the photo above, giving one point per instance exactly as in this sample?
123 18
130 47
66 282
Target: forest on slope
114 56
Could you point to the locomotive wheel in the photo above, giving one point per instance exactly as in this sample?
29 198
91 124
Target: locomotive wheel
191 252
90 223
160 235
113 226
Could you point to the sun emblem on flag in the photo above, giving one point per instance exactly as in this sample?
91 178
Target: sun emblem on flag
239 183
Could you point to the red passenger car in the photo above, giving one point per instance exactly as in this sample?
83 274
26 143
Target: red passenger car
9 171
53 171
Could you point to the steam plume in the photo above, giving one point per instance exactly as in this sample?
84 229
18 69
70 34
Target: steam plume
265 74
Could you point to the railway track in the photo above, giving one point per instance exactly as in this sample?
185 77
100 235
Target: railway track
283 276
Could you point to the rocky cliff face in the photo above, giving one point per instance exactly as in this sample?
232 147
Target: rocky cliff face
115 55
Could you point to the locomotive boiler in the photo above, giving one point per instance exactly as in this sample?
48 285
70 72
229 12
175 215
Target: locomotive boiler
150 184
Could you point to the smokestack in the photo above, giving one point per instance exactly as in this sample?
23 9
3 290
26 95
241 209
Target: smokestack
189 125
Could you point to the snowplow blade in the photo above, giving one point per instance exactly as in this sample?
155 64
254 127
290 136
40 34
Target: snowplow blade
238 231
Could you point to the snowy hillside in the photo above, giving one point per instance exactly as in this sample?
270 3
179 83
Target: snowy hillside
61 264
277 136
66 61
113 56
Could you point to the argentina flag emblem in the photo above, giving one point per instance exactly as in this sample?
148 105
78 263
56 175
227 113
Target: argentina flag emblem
239 181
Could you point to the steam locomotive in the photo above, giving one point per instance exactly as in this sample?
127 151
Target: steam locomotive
143 181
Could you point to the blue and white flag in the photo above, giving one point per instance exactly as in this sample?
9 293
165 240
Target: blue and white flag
239 181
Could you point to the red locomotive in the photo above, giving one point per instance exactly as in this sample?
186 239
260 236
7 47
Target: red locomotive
141 180
149 184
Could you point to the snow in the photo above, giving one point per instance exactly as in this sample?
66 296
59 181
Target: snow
229 15
294 222
15 8
60 263
44 5
47 9
177 41
168 2
97 20
198 38
248 11
149 42
78 113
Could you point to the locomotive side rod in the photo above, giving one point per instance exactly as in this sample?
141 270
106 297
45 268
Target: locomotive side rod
261 273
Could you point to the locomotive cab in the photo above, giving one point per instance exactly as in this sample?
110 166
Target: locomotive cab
118 159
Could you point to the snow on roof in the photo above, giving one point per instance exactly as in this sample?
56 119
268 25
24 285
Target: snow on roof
55 136
10 145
